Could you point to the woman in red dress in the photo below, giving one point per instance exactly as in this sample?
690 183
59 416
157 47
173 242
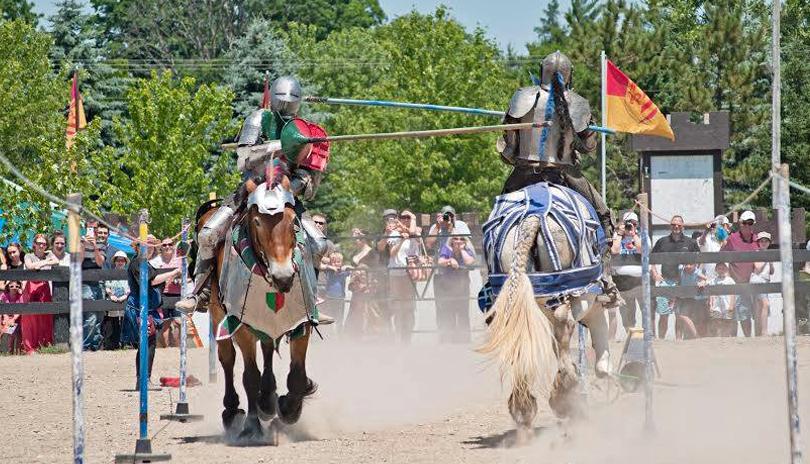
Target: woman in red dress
37 329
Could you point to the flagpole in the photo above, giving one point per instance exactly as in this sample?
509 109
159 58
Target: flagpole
604 124
76 100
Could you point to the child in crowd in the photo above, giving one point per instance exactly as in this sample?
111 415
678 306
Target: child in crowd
336 274
721 307
10 323
690 312
117 291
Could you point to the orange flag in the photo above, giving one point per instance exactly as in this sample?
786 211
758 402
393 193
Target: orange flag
629 109
76 120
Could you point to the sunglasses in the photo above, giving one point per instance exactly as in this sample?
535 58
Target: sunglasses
404 217
166 245
320 223
676 225
40 243
13 286
747 223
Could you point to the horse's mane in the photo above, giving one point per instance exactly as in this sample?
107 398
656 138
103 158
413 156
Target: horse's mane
277 170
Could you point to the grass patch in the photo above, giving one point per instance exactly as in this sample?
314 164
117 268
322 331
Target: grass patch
53 349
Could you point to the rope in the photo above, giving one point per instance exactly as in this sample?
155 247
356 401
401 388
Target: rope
733 209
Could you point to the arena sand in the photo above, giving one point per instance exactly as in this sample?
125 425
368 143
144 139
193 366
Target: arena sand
717 401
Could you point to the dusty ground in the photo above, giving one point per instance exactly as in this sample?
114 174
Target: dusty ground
718 401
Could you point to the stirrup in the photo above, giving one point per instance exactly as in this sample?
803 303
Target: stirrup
323 319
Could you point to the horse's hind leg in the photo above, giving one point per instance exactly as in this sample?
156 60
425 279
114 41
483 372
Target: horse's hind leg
251 379
267 392
597 325
299 386
563 400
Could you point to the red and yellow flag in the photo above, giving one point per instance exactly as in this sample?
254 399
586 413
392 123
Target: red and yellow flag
629 109
76 120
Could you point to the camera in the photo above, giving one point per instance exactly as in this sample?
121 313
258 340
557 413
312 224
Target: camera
628 225
447 217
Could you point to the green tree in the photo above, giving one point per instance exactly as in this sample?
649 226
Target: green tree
796 95
325 15
424 58
32 134
18 9
169 149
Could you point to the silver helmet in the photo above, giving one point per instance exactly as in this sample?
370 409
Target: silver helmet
285 96
554 63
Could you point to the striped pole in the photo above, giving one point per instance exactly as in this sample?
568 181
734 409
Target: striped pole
183 328
212 342
143 360
74 205
646 309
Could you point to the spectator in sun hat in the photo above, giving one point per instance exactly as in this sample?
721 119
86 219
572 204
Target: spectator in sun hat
117 291
763 272
712 240
743 240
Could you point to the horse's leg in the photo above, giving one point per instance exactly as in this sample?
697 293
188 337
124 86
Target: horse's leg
299 386
566 381
227 358
267 393
597 325
251 379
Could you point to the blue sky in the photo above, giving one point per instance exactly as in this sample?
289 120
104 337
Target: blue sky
507 21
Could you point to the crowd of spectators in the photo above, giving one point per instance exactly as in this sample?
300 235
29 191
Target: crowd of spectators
382 272
698 315
28 333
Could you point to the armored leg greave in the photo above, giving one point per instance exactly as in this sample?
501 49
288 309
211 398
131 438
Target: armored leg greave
207 240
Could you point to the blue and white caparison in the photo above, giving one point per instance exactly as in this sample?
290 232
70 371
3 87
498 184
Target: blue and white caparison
568 246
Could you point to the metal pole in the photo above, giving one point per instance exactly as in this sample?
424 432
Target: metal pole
183 328
582 360
76 338
603 60
789 313
212 342
646 310
776 96
143 359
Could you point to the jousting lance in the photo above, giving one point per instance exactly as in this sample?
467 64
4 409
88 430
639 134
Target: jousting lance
423 106
292 138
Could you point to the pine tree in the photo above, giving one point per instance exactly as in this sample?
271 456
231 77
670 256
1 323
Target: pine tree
79 44
258 51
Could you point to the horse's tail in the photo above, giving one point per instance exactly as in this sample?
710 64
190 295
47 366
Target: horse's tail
520 337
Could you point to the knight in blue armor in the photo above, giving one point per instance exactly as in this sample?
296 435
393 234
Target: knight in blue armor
262 126
551 154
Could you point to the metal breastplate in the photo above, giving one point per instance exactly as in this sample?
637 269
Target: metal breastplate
541 145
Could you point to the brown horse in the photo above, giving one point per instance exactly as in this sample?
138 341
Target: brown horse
273 237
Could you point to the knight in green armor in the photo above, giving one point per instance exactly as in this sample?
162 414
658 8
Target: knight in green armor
262 127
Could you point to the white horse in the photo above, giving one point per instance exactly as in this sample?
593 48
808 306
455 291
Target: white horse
529 341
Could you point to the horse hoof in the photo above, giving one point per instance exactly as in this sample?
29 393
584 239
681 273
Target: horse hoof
252 434
267 407
289 408
602 367
232 419
523 435
273 432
